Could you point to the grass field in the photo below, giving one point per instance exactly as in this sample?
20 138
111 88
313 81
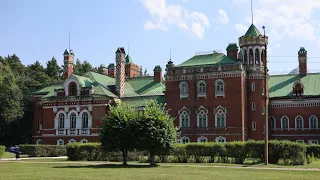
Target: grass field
11 155
90 170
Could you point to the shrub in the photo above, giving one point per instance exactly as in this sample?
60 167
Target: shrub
2 150
199 150
237 150
313 149
290 152
43 150
255 149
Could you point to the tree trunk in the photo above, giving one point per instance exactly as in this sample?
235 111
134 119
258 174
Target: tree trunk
152 159
124 157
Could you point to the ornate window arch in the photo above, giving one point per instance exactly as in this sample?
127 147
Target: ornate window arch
60 142
73 119
39 141
221 139
202 117
220 117
72 141
69 84
313 122
202 139
299 122
184 89
201 88
251 56
297 88
272 122
257 55
61 121
184 140
285 123
245 57
184 119
84 141
85 120
219 87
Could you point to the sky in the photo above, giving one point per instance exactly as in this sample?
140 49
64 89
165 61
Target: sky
148 29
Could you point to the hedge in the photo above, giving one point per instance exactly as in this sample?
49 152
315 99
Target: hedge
313 150
2 150
43 150
94 152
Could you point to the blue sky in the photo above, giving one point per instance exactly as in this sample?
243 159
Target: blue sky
35 30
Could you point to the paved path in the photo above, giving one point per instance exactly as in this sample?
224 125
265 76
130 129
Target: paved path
30 158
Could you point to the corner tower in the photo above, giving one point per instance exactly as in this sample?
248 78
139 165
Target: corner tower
68 61
252 55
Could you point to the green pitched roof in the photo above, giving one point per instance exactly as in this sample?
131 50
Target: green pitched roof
49 90
208 59
232 46
143 86
138 102
253 31
281 85
84 81
128 59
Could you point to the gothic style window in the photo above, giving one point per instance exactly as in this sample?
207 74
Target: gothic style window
202 139
73 121
60 142
84 141
299 122
72 141
85 120
61 121
254 125
257 56
272 122
184 89
219 84
313 122
201 87
39 141
202 119
184 140
253 86
251 56
285 122
221 139
73 90
297 89
184 120
220 120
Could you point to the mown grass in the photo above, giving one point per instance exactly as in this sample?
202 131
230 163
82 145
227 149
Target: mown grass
74 170
11 155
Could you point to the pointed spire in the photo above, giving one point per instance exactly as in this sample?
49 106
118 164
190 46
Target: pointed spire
251 13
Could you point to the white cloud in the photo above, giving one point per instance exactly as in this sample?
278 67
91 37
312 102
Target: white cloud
223 17
241 28
166 16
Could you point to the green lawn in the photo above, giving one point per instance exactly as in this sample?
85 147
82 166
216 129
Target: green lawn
11 155
78 170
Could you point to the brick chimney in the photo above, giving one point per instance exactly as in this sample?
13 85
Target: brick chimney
68 63
111 71
157 77
232 51
302 57
120 70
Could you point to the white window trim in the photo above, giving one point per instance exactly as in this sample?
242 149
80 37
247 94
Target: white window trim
253 106
39 140
89 118
253 86
300 141
282 123
217 93
216 120
84 141
310 141
72 141
295 121
198 88
66 83
183 95
180 118
275 122
317 125
198 118
202 137
221 138
254 125
184 137
60 140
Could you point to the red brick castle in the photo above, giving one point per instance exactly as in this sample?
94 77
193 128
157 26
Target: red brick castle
213 96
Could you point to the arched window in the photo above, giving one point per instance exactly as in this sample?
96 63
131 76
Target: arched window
220 120
297 89
202 119
285 122
201 87
221 139
72 141
73 121
39 141
219 84
254 125
184 120
272 122
245 59
253 86
257 56
85 120
184 90
313 122
84 141
262 56
184 140
202 139
73 90
60 142
299 122
251 56
61 121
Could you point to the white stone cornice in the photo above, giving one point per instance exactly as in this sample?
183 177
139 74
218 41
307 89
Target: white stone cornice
294 103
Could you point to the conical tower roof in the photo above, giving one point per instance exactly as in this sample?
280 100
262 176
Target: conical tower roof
253 31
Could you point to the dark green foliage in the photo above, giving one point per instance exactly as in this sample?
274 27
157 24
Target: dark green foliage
2 150
53 69
314 150
43 150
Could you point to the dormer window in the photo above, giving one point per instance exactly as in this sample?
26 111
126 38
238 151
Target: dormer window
73 90
297 89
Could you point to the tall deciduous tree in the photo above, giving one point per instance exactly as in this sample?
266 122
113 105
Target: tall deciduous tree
117 132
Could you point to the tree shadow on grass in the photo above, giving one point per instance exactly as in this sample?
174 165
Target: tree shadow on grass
99 166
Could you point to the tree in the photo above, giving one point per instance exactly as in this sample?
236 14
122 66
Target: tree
86 67
145 72
100 69
140 71
77 68
53 69
154 130
117 132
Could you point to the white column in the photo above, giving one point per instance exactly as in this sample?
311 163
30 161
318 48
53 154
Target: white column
254 56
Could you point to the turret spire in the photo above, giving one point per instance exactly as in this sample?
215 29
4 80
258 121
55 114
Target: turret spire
251 13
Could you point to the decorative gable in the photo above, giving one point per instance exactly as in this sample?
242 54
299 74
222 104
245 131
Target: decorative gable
297 88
